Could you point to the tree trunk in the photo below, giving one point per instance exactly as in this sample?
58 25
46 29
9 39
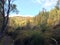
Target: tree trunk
3 29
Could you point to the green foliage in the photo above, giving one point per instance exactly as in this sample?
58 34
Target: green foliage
30 37
58 5
18 28
41 28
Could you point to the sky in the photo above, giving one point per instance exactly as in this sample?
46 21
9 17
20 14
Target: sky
33 7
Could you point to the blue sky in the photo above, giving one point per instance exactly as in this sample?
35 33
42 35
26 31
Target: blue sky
33 7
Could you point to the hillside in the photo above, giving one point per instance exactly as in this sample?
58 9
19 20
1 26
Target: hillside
45 27
18 28
19 21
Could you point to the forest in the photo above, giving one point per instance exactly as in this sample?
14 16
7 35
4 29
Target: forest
42 29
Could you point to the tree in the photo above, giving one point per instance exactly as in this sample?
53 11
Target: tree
58 5
28 24
6 6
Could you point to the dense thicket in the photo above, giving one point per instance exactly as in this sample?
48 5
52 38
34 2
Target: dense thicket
43 29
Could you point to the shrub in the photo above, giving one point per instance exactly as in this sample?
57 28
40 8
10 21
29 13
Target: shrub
31 37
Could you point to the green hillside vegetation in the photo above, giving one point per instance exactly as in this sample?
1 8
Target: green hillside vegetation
43 29
44 26
21 22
